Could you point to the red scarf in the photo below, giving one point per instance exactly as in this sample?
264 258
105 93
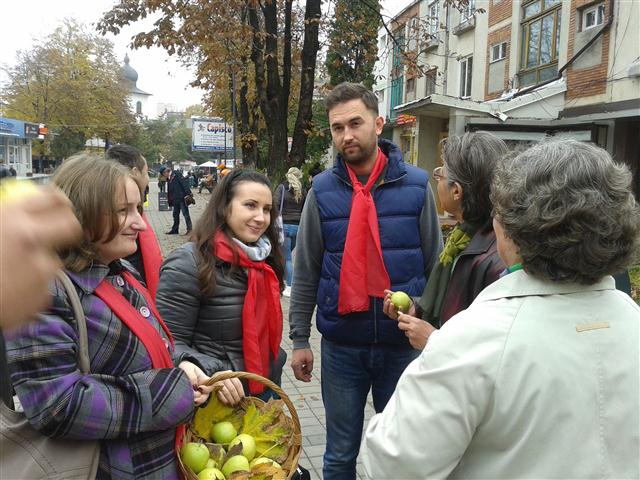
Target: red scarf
261 313
139 325
362 256
151 257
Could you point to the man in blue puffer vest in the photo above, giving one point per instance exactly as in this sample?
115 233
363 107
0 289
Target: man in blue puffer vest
369 223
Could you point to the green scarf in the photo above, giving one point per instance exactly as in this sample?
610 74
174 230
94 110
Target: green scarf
435 292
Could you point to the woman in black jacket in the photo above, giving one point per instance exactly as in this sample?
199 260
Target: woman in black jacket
220 294
292 203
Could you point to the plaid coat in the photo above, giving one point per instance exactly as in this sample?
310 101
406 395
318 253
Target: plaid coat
130 407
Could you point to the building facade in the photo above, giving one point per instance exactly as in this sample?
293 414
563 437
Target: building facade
15 144
524 70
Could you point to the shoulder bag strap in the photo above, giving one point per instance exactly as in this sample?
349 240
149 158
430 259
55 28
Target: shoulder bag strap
81 322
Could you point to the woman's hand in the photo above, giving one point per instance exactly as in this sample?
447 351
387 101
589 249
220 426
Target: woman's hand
391 311
229 391
415 329
197 378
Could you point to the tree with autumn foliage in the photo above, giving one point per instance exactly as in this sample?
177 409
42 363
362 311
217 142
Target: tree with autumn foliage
70 81
353 42
255 42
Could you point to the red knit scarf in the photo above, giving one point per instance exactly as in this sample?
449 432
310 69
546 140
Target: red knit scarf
363 273
261 313
151 257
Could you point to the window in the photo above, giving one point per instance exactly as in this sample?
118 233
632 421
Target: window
139 107
3 155
593 16
466 67
540 41
410 92
499 51
413 33
431 77
466 13
432 21
397 73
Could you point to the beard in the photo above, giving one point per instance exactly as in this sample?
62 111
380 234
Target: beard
359 155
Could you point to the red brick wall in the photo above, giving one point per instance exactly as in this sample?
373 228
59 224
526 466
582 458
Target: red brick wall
587 81
498 36
499 11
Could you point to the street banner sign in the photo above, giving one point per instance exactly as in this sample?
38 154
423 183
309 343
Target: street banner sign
211 136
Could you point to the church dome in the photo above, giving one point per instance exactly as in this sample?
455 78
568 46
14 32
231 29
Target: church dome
128 71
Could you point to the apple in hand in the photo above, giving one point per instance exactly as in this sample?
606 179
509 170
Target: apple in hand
195 456
401 301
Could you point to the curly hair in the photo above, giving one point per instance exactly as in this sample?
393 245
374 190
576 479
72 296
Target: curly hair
569 209
470 160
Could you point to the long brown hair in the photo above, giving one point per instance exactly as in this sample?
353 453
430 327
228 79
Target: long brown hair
92 184
214 218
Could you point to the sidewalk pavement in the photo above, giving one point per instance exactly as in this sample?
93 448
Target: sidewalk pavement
306 397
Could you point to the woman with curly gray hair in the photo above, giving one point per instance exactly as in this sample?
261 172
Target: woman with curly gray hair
538 378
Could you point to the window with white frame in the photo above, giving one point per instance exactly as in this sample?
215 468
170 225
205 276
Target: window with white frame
433 21
498 51
592 16
466 68
466 13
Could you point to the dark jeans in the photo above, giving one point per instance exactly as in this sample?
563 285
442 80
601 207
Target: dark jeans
348 373
177 207
163 186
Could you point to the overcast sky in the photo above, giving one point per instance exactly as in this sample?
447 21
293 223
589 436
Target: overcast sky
159 74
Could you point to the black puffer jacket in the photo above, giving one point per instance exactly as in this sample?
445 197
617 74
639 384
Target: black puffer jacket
207 330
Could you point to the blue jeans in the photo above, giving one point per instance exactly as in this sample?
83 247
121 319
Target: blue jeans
348 373
290 236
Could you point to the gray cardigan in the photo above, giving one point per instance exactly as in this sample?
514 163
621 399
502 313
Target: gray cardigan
207 330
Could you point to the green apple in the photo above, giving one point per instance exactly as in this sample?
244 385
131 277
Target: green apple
195 456
237 463
248 445
210 474
401 301
223 432
259 460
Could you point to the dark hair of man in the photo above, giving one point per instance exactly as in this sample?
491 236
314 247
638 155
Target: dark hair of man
126 155
214 218
347 91
470 160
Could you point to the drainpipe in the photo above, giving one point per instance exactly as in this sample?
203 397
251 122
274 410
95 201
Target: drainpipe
572 59
446 50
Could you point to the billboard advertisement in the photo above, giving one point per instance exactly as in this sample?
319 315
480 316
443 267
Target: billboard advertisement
211 136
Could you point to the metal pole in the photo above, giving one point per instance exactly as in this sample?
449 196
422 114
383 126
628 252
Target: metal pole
233 109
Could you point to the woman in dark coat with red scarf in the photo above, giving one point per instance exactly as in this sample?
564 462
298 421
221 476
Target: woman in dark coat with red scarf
469 261
220 293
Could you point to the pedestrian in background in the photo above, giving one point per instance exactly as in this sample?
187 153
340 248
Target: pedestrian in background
134 397
12 171
162 179
220 293
177 189
147 258
547 357
470 260
368 225
292 203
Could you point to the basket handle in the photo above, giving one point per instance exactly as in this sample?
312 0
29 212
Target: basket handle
225 375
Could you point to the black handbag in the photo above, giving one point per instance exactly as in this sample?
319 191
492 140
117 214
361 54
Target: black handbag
26 453
189 200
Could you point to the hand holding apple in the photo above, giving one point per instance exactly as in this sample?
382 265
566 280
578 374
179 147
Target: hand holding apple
391 310
415 329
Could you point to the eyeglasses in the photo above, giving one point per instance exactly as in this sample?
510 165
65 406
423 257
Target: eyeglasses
437 173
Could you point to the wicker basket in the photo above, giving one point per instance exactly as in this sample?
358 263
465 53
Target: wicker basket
296 448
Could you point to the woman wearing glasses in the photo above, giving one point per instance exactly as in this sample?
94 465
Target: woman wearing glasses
469 261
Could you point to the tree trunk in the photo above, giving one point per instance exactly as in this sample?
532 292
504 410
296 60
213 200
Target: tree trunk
309 55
